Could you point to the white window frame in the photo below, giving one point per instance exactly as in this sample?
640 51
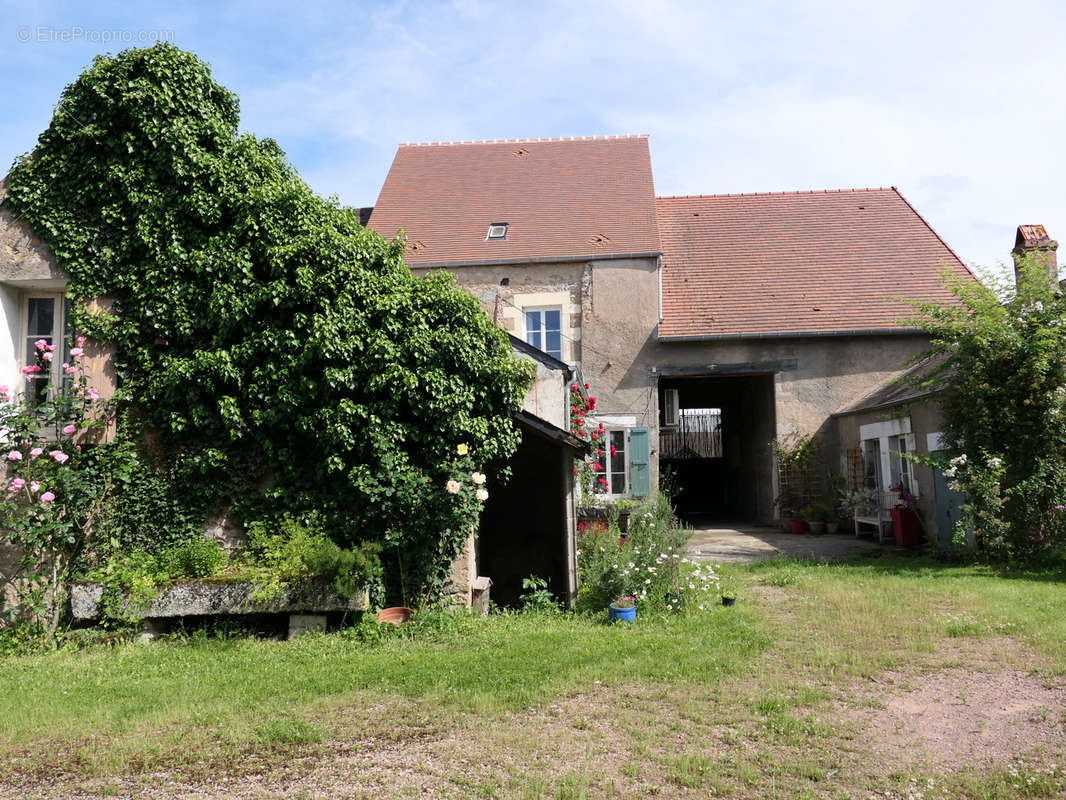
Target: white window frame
27 353
543 333
607 460
890 434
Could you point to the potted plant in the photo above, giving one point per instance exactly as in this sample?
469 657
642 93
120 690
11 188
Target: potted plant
818 515
623 609
789 503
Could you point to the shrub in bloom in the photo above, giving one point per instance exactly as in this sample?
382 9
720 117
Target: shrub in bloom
59 456
14 455
70 429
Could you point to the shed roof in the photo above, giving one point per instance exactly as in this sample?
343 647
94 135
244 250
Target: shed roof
796 263
561 199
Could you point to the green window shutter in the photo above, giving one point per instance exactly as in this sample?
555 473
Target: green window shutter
639 462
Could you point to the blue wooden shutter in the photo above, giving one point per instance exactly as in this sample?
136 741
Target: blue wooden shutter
639 462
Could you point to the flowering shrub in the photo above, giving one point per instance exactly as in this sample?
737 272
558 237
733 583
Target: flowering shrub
56 496
592 478
981 479
1001 353
647 564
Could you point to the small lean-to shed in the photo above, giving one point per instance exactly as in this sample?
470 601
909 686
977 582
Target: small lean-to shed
528 525
877 438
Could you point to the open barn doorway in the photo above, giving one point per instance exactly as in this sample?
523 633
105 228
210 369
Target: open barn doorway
714 435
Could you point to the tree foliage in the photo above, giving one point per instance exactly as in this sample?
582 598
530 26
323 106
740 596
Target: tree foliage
282 357
1001 353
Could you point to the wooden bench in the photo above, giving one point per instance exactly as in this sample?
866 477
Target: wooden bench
879 518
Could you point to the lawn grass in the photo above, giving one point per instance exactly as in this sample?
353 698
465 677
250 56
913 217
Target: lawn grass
741 702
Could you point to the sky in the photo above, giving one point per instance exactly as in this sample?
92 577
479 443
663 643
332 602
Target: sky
961 105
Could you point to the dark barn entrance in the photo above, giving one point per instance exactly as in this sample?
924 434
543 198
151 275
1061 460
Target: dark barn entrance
714 438
528 525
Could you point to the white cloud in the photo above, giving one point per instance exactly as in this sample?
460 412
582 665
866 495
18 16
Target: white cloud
961 105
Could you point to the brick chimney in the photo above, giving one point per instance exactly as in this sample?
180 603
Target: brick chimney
1033 242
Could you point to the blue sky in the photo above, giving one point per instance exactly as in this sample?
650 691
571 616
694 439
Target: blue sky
960 105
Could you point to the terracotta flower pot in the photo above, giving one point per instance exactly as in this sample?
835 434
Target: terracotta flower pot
397 615
796 525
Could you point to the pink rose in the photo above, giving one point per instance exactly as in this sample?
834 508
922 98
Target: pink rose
36 452
31 369
47 497
81 341
40 344
70 370
93 394
47 357
16 484
50 348
70 429
58 455
14 455
76 351
34 486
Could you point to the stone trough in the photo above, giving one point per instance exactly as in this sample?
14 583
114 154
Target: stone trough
306 603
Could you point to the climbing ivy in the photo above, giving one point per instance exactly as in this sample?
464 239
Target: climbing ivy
275 356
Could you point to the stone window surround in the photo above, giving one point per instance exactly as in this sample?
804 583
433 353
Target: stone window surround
571 335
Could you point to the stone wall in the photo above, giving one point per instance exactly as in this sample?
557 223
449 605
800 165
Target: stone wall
528 286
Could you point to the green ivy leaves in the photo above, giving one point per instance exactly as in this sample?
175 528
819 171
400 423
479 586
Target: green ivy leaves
283 357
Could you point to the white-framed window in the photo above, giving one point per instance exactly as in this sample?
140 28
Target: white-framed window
899 466
44 318
544 330
613 462
885 448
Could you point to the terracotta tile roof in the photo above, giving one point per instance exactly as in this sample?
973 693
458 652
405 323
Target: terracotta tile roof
561 198
794 262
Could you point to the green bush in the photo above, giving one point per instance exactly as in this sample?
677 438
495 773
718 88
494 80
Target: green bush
647 564
1000 352
293 550
280 356
199 557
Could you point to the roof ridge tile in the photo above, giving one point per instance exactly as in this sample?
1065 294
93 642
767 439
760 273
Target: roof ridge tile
793 192
598 138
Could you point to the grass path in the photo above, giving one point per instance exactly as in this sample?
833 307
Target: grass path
807 688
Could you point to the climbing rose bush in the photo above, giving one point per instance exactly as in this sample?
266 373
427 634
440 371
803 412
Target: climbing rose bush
590 471
54 500
1000 353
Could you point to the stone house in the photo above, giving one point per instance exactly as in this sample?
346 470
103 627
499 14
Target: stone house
707 326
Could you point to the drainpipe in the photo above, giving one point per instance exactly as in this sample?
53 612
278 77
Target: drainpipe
659 271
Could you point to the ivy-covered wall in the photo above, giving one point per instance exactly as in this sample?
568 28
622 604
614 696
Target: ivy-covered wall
273 355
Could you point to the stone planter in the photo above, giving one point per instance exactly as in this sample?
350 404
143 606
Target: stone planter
207 598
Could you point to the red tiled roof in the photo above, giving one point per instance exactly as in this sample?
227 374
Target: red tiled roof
794 262
561 198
